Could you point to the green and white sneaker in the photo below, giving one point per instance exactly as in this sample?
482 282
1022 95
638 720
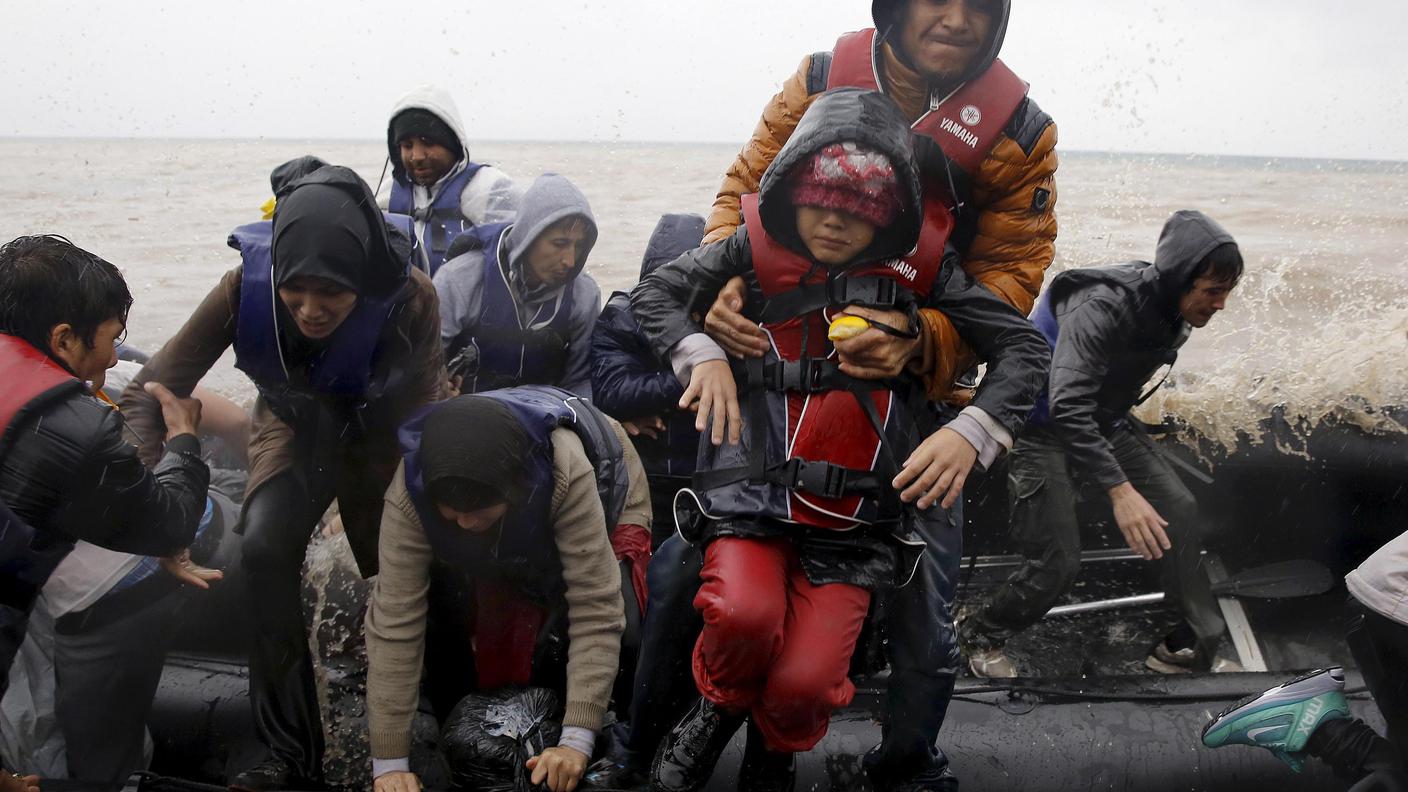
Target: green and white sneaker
1282 719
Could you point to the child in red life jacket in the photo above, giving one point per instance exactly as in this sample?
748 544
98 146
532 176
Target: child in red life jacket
794 498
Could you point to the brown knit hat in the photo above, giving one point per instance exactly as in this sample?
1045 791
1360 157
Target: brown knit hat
852 179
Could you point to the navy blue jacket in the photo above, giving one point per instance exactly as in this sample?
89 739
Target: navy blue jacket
628 380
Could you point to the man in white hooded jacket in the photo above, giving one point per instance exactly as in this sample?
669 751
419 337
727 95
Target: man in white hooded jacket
434 180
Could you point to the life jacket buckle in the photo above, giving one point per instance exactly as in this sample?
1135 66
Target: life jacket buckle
822 479
871 292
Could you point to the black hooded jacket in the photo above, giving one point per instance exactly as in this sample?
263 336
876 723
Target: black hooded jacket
69 468
628 380
1117 326
1015 353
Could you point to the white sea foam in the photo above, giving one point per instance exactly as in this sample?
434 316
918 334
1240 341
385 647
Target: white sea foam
1316 330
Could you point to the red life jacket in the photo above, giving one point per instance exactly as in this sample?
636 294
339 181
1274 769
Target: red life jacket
27 556
831 425
30 377
965 126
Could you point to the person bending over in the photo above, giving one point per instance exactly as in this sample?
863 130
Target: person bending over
504 523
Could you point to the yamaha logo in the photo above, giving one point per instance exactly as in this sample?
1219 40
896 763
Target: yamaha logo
970 115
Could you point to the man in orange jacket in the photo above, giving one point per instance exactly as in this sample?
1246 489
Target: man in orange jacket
988 155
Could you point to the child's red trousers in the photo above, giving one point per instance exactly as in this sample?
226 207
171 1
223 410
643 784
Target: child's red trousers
774 644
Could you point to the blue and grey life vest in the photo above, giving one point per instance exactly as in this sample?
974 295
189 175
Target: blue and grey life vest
344 370
521 550
514 349
443 218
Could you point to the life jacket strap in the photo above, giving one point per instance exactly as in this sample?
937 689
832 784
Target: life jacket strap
870 291
808 375
823 479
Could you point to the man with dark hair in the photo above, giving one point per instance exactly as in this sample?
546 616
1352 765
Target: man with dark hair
1110 329
433 179
66 470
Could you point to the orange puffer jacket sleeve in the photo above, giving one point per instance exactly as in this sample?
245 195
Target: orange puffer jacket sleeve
780 118
1014 244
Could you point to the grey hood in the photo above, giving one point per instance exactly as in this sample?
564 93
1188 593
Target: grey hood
885 15
549 199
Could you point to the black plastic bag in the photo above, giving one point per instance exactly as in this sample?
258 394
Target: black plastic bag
489 736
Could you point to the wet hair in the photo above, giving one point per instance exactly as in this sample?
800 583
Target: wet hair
47 281
1223 265
462 494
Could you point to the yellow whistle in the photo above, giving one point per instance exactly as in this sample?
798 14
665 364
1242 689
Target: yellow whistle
268 208
843 327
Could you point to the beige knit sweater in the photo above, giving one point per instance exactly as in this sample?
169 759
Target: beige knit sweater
395 623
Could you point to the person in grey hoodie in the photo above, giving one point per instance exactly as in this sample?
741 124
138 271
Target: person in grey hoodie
1110 329
516 307
433 179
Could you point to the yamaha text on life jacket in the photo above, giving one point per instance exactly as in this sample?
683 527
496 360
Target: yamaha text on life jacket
964 126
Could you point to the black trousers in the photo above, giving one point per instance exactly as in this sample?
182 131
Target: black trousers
664 685
1350 746
1046 533
106 678
279 519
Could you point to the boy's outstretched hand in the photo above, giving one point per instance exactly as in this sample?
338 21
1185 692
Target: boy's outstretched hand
711 385
937 470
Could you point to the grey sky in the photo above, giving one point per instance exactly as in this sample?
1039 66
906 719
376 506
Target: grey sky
1266 77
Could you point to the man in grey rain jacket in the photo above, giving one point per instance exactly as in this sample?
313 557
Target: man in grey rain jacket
516 307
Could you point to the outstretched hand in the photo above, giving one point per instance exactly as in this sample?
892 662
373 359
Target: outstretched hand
1140 523
560 767
726 324
181 567
937 470
713 394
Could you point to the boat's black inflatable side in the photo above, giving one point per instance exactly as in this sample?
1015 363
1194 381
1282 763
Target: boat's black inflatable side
1124 733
